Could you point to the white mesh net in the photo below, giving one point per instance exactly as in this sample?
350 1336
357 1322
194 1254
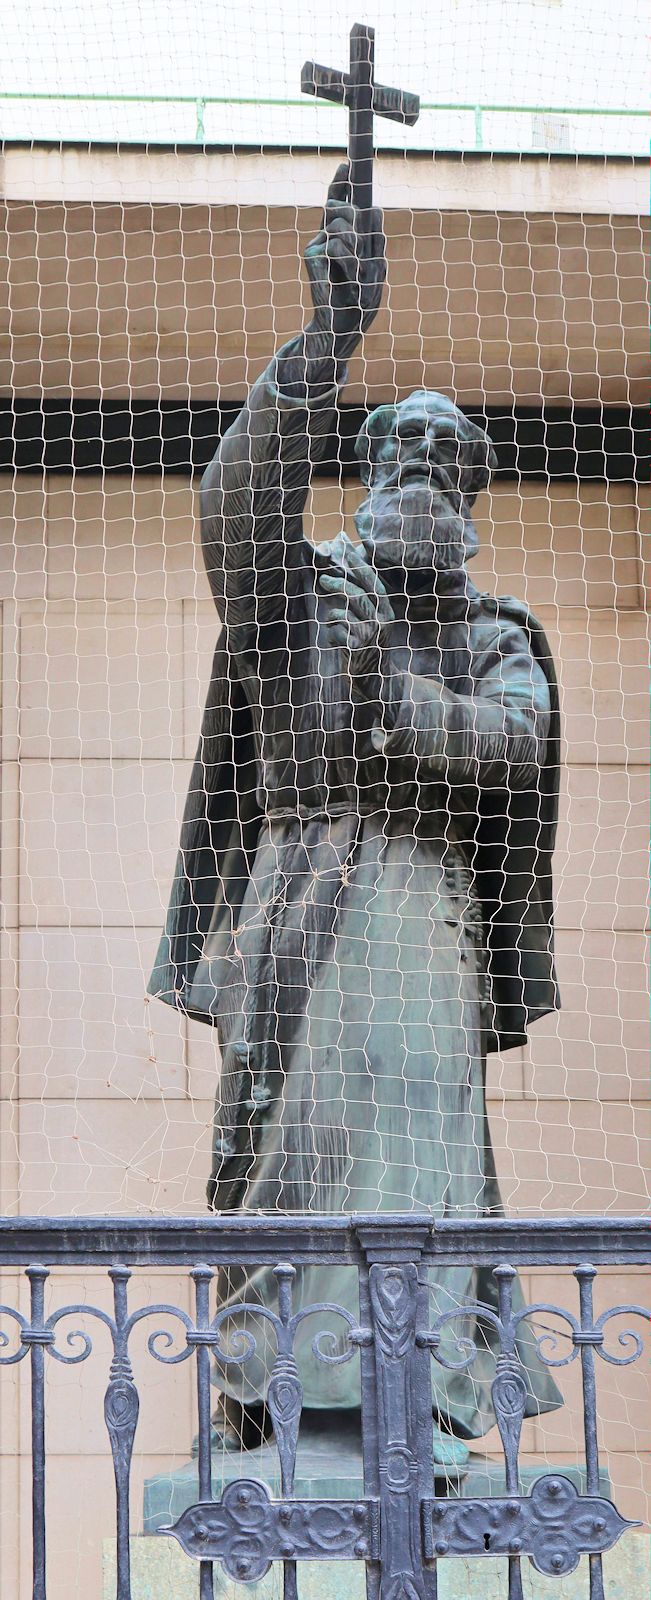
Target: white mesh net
162 177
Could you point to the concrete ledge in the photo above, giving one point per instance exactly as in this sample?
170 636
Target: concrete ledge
582 185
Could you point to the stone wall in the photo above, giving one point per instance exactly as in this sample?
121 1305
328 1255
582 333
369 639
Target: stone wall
132 273
107 632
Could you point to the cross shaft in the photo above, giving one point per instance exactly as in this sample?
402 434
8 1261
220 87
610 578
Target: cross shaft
364 99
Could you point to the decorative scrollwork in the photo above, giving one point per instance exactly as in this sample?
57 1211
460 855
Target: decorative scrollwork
5 1341
285 1402
284 1331
545 1340
393 1298
331 1359
77 1335
241 1337
509 1394
627 1336
548 1338
284 1395
162 1335
121 1407
466 1346
23 1324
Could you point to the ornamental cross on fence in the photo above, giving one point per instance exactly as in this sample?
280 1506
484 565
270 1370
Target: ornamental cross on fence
364 99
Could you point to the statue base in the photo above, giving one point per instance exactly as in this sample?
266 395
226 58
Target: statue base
328 1466
160 1571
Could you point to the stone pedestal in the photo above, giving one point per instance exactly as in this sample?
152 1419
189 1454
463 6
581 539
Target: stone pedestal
327 1468
160 1571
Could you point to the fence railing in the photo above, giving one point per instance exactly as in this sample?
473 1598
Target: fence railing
403 1523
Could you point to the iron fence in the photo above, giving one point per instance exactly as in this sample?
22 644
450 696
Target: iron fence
401 1525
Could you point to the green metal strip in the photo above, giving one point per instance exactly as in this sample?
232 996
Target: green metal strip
310 105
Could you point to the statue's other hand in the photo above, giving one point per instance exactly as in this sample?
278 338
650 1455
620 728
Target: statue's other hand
346 265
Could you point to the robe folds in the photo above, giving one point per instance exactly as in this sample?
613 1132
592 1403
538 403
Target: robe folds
362 904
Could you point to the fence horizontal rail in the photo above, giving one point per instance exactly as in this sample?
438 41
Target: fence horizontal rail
181 1241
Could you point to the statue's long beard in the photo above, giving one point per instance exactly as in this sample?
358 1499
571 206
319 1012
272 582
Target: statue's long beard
416 529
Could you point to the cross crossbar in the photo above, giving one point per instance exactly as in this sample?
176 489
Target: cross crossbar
363 99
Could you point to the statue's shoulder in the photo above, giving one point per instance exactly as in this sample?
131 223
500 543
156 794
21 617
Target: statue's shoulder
504 607
504 611
505 615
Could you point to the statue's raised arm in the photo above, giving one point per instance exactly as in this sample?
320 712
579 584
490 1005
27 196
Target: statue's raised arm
254 491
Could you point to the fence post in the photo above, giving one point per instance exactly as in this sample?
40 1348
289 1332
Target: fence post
121 1409
37 1337
585 1275
394 1292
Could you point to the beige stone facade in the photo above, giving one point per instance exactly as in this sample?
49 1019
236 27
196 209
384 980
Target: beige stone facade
106 1098
107 629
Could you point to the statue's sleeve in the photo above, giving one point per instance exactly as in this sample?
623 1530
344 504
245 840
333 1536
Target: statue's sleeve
254 492
493 738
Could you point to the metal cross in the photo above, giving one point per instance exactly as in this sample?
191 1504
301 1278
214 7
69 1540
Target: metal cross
364 98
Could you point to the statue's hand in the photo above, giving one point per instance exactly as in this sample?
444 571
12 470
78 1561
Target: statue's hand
358 621
346 267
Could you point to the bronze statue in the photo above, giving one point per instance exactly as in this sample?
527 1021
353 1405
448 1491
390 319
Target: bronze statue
362 904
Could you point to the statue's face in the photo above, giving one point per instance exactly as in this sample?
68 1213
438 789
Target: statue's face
411 516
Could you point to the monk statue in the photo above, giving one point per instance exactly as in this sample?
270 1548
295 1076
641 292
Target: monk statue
362 905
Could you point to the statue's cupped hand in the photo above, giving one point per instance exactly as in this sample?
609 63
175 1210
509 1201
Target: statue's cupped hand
357 620
346 266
